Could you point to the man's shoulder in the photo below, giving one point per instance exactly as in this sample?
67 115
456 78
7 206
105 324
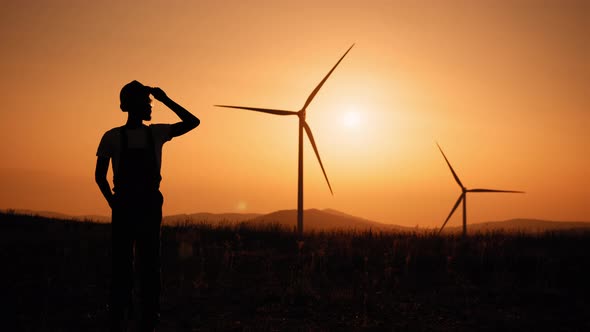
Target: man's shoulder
113 131
112 134
161 131
109 142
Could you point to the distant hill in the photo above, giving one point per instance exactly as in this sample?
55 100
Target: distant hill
327 219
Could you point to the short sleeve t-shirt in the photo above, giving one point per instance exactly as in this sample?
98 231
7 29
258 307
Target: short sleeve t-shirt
110 144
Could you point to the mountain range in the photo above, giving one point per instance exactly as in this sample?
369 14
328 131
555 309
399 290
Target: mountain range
326 219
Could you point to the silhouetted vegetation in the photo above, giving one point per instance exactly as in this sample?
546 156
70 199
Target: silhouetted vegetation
56 275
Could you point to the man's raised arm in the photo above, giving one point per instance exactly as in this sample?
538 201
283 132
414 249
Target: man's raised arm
189 121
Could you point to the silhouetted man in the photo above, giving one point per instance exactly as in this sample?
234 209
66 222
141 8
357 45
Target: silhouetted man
136 153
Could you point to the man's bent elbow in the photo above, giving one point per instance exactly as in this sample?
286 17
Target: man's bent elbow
195 123
192 124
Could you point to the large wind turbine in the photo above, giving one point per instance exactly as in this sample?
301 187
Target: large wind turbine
463 196
302 126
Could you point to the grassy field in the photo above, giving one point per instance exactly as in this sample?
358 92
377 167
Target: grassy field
55 277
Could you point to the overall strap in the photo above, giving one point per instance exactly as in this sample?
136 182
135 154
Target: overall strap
124 140
151 145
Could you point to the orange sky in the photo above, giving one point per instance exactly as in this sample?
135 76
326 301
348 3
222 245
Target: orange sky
502 86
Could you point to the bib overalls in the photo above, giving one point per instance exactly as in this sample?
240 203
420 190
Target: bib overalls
136 219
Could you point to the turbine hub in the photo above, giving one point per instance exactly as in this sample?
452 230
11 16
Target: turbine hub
301 114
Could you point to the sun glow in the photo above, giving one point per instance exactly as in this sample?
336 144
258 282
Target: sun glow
241 205
351 119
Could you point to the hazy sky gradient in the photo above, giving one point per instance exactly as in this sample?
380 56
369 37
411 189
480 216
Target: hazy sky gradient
503 86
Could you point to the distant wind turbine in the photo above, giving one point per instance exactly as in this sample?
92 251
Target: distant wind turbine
463 196
302 125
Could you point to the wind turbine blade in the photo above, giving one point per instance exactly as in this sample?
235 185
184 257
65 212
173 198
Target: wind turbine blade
451 167
315 148
315 91
263 110
494 191
452 211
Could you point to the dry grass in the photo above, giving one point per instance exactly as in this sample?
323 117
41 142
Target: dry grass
233 277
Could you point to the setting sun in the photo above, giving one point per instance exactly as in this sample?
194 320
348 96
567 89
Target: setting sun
351 119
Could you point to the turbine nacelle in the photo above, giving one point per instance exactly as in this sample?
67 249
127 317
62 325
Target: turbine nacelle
301 114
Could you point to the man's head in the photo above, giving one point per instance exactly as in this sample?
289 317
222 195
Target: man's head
135 99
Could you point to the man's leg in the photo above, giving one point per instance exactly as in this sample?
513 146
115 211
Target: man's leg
122 269
148 259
